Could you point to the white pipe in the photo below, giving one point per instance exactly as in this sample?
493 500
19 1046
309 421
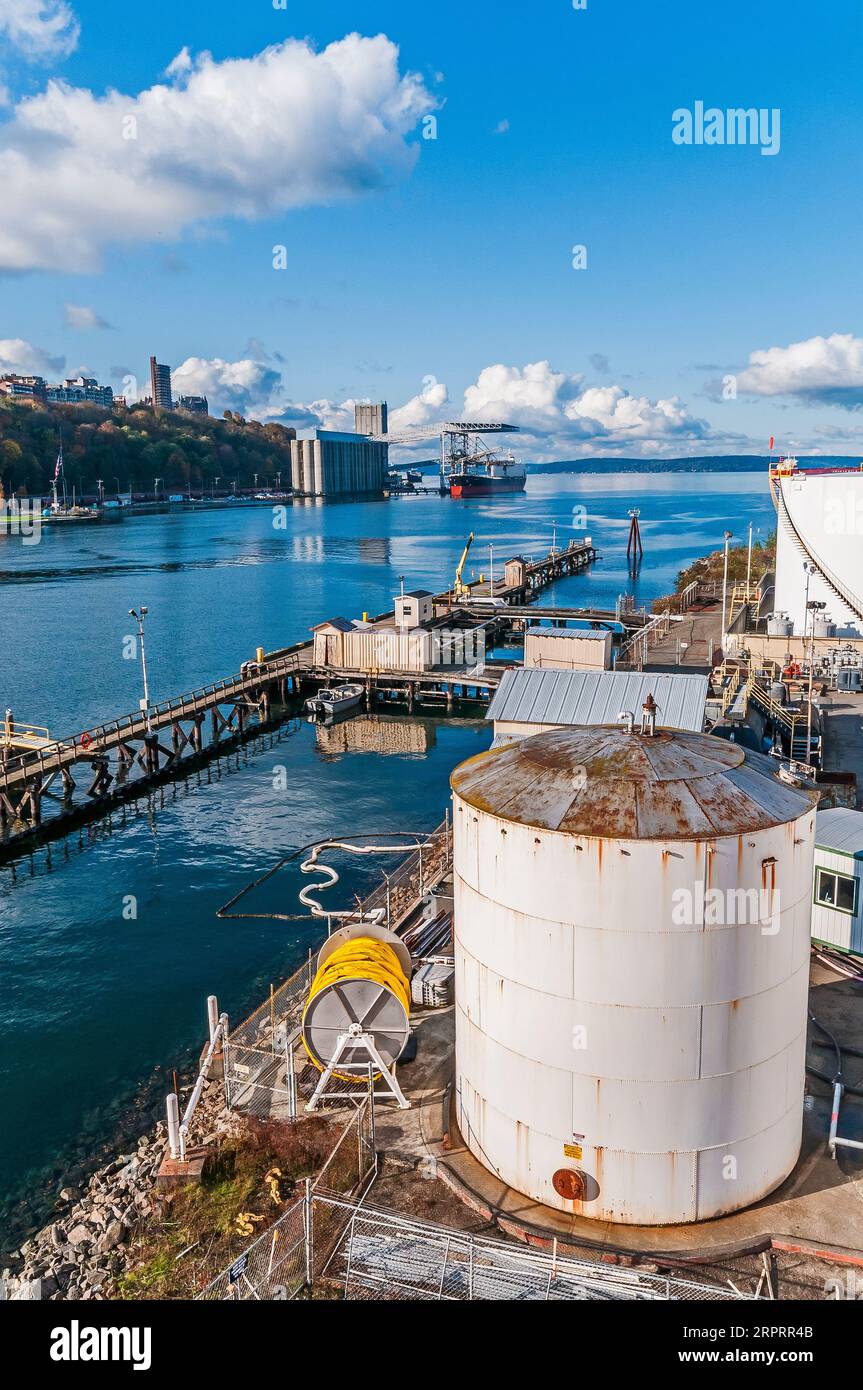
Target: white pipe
331 877
212 1014
221 1026
834 1117
173 1124
834 1140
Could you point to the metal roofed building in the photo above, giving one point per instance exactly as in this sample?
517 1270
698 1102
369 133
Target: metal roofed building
568 648
837 908
532 701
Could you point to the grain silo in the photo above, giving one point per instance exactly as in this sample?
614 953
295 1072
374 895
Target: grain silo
632 947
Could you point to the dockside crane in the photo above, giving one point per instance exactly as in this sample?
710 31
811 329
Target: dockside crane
459 589
455 437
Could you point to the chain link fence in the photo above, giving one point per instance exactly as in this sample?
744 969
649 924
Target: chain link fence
296 1249
259 1053
359 1252
274 1267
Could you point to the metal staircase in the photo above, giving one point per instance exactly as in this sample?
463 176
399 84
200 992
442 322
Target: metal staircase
741 686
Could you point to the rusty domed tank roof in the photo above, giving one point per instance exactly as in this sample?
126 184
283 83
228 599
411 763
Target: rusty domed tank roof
602 781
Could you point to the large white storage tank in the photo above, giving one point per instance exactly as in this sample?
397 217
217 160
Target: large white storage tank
630 1023
819 511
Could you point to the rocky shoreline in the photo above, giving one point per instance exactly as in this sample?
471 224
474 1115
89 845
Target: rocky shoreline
90 1242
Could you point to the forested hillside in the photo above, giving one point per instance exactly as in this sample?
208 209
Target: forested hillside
129 448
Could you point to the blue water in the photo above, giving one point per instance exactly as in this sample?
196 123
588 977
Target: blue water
93 1007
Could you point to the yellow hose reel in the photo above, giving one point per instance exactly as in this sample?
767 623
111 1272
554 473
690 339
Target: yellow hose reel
362 980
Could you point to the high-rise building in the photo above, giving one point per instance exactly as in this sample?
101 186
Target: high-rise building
369 418
160 385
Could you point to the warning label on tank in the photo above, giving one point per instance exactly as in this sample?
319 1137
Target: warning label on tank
572 1150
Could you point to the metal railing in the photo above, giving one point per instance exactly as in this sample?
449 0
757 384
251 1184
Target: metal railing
135 725
635 650
13 733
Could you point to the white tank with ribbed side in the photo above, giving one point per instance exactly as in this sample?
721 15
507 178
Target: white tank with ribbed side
632 945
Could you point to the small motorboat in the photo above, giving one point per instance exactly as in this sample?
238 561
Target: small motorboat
335 699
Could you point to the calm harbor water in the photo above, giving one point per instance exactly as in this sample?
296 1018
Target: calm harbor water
95 1008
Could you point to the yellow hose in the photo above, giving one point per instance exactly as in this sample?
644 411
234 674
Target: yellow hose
362 958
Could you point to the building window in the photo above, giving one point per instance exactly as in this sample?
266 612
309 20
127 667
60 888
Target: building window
836 890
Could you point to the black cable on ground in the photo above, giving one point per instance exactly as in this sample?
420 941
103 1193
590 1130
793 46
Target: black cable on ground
829 1035
829 1081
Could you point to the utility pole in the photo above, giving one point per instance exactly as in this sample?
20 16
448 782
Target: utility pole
144 705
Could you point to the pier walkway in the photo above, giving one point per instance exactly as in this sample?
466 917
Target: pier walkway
127 756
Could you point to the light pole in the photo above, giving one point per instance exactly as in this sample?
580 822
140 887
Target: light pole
491 570
809 570
749 561
117 481
728 535
554 537
156 482
813 606
144 705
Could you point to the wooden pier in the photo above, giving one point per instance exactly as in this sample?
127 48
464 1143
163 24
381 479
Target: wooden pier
126 757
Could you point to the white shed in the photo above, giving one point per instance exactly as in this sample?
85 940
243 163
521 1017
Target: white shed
414 609
568 648
328 641
837 910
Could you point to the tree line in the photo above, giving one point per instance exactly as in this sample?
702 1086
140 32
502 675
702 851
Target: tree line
128 448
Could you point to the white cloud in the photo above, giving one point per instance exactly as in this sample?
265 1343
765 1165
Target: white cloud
424 409
245 386
82 317
817 371
560 416
249 138
17 355
181 64
40 29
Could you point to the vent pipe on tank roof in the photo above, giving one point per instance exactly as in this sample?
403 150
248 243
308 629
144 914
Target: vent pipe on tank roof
648 717
629 717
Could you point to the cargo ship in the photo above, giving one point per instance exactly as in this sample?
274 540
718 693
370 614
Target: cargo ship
486 475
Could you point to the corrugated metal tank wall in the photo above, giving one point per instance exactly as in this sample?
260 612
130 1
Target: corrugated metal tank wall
663 1061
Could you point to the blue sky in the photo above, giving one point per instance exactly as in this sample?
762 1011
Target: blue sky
418 269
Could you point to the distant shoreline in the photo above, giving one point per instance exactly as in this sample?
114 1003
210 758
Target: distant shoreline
708 463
